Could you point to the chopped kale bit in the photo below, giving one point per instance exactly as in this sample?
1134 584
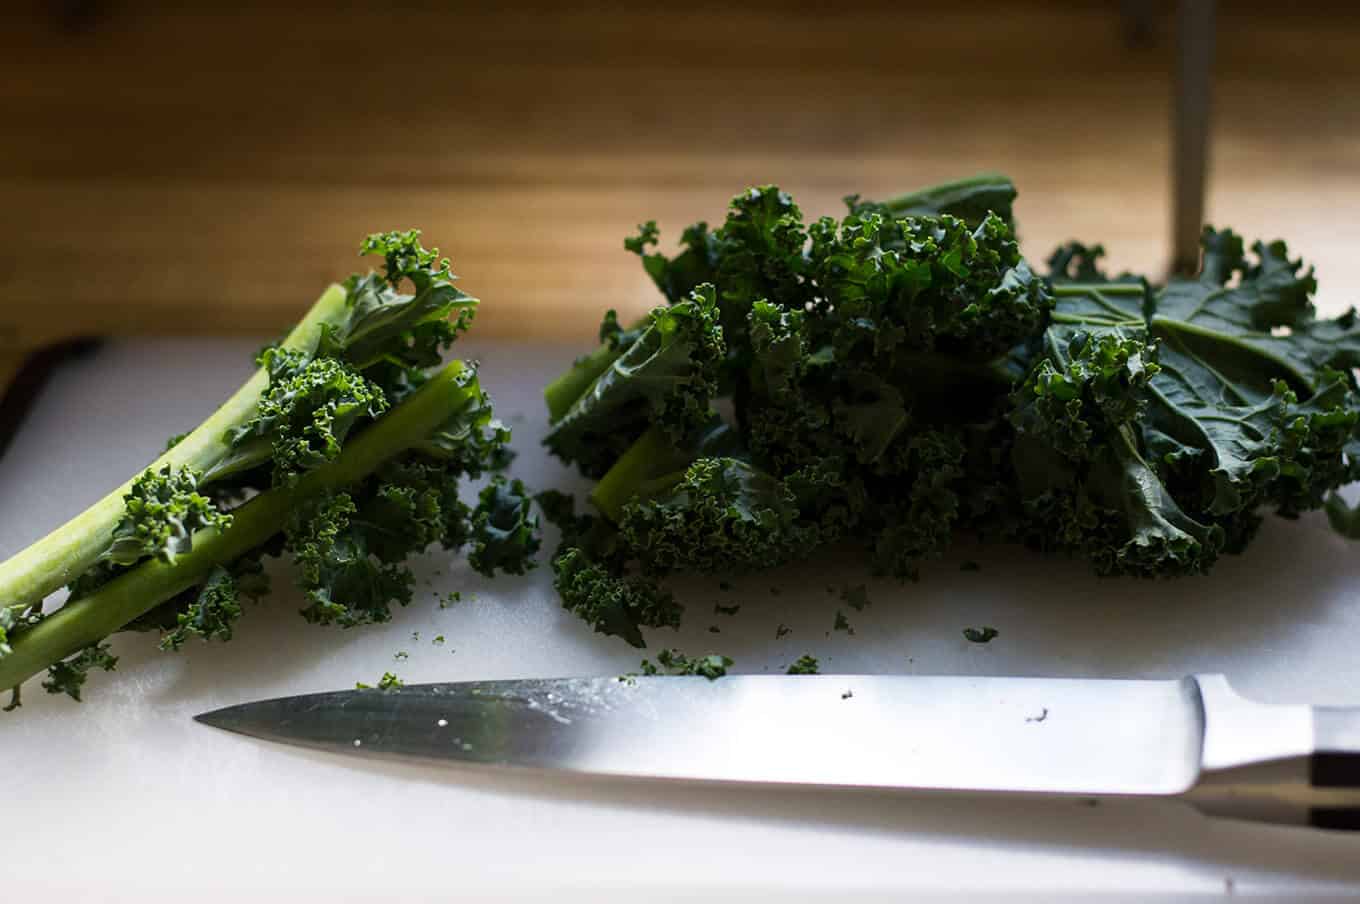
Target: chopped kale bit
719 609
805 665
842 623
389 681
985 634
782 631
673 662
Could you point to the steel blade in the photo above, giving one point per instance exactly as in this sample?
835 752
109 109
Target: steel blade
1020 735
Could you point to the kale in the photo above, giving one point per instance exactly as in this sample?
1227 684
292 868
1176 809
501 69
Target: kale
901 376
346 451
985 634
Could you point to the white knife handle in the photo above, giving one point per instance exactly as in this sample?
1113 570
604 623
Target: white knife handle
1278 763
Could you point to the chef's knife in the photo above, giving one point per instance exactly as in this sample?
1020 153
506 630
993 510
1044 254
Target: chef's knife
1194 739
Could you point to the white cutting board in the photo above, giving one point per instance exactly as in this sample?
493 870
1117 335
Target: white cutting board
124 797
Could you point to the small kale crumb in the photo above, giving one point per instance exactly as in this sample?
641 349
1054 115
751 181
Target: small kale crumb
714 629
415 635
985 634
782 631
630 679
712 666
848 694
806 665
389 682
452 598
360 686
724 585
856 597
842 623
969 565
719 609
438 640
401 656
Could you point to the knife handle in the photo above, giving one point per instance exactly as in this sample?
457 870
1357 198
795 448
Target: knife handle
1278 763
1335 763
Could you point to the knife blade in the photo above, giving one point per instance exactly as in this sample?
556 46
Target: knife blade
1193 739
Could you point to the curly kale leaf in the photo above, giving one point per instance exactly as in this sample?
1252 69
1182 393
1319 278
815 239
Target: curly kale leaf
393 337
69 676
1079 452
163 512
1152 461
591 576
344 583
1079 263
667 377
211 612
924 283
307 412
1255 321
917 502
723 515
806 664
678 276
713 666
504 529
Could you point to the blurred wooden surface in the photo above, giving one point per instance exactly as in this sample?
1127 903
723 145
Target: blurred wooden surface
192 168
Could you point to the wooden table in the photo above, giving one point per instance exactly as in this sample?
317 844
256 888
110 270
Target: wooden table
196 170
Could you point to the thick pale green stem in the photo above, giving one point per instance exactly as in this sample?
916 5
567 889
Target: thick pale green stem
636 471
563 392
94 617
67 552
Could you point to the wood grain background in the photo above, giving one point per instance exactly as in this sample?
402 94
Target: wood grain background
188 168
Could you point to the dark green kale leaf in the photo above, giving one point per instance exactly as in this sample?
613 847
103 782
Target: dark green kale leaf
971 200
592 576
393 337
666 377
712 666
985 634
504 529
163 511
69 675
723 515
805 665
307 412
344 583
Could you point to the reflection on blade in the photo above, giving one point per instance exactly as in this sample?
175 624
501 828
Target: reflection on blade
949 733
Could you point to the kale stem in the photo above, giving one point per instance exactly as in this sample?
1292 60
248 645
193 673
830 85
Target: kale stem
563 392
67 552
635 473
91 618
